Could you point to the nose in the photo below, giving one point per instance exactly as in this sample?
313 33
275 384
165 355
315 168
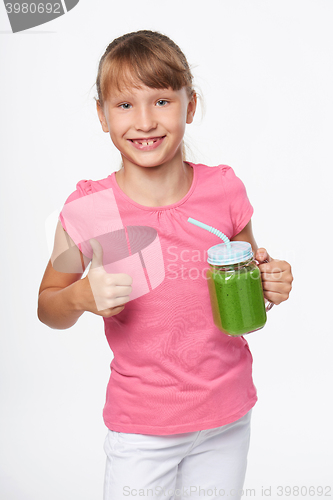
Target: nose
145 119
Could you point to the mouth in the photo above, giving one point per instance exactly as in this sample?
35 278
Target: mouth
145 144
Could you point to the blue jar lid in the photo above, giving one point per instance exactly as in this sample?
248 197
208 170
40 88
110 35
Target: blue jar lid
239 251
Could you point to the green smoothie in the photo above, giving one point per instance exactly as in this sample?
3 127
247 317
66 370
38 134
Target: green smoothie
237 298
234 284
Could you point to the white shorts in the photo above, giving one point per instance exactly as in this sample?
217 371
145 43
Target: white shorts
193 465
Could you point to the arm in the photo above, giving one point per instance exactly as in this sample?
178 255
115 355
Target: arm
247 235
64 296
276 274
59 300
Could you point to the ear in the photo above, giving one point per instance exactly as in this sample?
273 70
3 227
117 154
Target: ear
101 117
191 107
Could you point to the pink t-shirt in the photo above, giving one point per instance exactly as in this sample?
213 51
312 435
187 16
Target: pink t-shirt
173 370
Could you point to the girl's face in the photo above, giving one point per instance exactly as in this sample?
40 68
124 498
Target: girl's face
147 125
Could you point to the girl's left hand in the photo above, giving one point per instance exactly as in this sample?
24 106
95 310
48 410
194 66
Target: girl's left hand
276 277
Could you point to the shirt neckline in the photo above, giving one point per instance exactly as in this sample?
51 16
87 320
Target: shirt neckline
160 208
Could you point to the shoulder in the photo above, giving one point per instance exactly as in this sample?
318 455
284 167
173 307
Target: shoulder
212 169
222 173
86 187
230 179
80 204
81 210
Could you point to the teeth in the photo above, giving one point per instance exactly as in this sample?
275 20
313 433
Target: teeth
145 143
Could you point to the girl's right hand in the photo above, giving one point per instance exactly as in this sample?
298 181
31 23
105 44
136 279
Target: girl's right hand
109 292
64 295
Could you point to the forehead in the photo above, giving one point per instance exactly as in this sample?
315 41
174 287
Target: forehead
121 77
142 92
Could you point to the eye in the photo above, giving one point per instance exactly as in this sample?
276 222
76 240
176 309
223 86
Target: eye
125 105
161 102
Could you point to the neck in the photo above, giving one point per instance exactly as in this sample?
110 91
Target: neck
155 186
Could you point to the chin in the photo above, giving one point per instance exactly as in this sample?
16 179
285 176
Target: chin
147 163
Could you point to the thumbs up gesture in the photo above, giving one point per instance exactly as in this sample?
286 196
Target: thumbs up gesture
110 292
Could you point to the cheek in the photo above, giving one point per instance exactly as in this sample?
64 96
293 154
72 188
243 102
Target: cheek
115 135
181 126
177 122
117 127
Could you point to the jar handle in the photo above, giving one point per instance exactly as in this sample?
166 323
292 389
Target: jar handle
268 304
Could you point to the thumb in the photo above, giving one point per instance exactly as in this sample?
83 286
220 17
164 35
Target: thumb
262 255
97 258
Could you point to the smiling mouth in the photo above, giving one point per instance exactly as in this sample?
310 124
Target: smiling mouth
147 142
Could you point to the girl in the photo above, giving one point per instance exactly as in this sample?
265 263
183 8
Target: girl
180 394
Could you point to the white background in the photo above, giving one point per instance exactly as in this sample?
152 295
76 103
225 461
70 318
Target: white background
264 69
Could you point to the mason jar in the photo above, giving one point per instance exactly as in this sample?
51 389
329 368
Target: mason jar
235 289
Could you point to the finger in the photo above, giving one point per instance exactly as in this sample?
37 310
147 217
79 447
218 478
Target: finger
262 255
282 276
97 258
274 266
104 303
112 311
123 291
122 279
276 298
283 288
119 301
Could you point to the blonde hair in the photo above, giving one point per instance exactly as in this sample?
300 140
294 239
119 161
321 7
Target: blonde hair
142 57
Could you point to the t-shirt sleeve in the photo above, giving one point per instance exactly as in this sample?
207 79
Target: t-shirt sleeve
91 211
74 216
240 207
